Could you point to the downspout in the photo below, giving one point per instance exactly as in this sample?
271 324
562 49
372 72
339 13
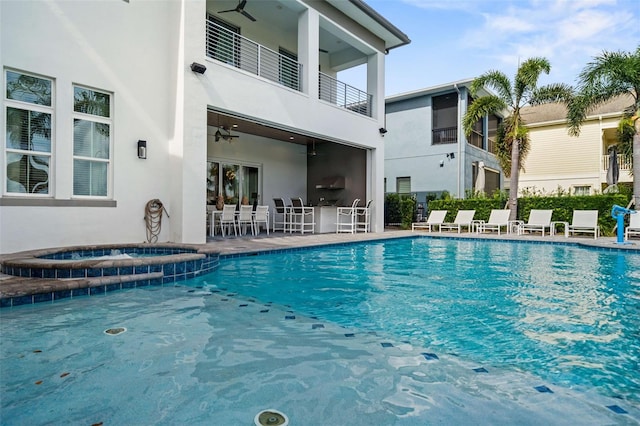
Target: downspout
460 134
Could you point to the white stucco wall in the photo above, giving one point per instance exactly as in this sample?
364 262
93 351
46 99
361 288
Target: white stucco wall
140 52
74 42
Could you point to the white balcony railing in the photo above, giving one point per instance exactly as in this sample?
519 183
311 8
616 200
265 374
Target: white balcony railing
226 46
231 48
345 96
624 162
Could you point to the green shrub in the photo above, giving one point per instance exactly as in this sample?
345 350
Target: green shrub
563 207
407 211
392 209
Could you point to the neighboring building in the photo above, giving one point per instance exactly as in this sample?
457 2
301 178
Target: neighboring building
577 165
426 151
110 104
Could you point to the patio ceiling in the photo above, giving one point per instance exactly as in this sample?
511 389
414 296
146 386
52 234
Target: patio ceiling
236 124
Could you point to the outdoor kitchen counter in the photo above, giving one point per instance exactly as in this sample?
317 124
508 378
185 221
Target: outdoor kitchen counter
325 217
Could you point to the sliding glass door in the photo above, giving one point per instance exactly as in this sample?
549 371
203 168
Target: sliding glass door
236 183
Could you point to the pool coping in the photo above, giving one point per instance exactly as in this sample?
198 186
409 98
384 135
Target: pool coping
18 290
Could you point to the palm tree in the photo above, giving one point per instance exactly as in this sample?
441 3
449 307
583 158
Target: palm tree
512 138
610 75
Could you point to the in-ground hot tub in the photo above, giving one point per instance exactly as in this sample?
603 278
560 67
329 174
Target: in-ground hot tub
90 270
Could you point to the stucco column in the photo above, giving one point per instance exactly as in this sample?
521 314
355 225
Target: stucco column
375 162
308 45
188 148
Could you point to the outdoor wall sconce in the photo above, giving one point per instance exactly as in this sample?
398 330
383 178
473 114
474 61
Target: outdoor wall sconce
451 156
142 149
382 130
198 68
441 163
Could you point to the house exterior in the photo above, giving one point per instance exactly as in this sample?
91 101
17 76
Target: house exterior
426 150
110 104
576 165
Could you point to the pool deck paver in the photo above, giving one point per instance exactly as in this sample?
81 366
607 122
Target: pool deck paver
12 286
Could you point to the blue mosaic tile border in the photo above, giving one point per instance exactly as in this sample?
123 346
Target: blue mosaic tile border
172 272
108 251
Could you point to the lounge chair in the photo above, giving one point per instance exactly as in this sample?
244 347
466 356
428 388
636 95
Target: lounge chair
585 222
464 218
539 220
634 226
436 218
498 219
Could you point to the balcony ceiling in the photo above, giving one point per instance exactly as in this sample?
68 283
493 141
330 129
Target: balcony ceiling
284 16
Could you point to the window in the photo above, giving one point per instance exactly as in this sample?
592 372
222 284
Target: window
403 185
445 119
476 138
492 131
582 190
28 131
91 142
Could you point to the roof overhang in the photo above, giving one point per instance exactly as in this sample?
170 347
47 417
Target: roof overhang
366 16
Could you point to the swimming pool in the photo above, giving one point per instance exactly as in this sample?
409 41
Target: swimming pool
566 313
318 334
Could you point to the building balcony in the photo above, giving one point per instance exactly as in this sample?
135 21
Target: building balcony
234 50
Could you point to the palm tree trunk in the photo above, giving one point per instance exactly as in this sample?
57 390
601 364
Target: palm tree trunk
636 166
513 188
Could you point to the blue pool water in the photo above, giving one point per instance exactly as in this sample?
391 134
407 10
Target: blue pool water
402 332
568 314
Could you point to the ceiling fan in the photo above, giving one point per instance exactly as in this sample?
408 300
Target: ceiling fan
240 10
227 137
312 152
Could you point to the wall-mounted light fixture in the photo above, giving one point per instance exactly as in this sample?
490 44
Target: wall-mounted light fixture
382 130
142 149
451 156
441 163
199 68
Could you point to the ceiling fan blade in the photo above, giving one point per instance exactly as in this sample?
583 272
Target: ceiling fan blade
245 13
225 11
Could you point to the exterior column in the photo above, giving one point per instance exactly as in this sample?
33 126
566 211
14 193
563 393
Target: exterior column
308 45
375 85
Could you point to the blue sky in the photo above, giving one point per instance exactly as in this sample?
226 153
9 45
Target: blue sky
458 39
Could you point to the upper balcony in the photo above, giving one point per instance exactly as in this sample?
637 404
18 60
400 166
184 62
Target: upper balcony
277 45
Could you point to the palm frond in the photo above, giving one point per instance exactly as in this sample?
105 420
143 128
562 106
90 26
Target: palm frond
479 108
496 81
527 77
558 92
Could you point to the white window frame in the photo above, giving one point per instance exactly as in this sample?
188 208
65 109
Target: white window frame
581 190
28 106
403 181
95 119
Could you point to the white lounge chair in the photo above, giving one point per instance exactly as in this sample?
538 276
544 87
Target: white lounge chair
539 221
498 219
634 226
464 218
585 222
435 219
